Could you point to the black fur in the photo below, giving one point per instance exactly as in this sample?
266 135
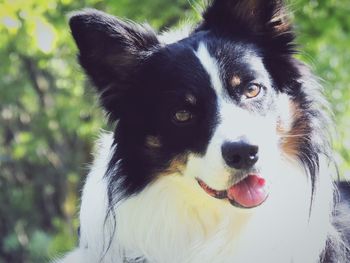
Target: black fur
263 22
111 51
164 82
339 251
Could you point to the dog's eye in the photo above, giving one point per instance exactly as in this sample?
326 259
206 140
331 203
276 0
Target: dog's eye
183 116
252 90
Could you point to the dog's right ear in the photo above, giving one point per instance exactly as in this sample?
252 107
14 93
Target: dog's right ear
265 21
110 51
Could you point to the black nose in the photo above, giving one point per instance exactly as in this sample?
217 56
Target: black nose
239 155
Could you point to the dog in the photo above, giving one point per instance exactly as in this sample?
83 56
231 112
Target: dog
221 150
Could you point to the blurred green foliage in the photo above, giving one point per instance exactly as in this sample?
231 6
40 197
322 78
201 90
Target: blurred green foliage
49 116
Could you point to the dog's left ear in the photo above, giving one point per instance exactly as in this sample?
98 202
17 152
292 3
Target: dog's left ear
111 51
264 20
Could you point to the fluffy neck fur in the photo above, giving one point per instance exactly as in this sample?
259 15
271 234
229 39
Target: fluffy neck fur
167 222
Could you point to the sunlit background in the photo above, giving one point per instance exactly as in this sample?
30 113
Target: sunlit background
49 117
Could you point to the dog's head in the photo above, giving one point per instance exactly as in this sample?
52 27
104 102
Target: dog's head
221 106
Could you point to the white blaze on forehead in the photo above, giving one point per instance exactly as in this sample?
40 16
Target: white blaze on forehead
211 66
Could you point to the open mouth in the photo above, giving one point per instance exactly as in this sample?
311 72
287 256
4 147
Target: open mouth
250 192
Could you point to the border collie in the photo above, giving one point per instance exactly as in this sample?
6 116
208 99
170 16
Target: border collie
221 150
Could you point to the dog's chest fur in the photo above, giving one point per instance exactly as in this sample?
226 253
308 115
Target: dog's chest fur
166 224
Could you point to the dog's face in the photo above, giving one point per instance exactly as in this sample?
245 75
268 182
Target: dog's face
205 108
214 107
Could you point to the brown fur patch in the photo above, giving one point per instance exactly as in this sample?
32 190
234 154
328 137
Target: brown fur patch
280 22
153 142
295 134
177 165
235 81
191 99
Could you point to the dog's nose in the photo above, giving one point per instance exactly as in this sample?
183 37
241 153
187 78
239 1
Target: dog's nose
239 155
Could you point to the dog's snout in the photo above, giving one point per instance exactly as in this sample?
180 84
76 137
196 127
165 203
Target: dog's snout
240 155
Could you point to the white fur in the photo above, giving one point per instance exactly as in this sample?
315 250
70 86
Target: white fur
175 35
173 220
211 66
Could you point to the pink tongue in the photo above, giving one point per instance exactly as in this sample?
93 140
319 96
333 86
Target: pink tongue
249 192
